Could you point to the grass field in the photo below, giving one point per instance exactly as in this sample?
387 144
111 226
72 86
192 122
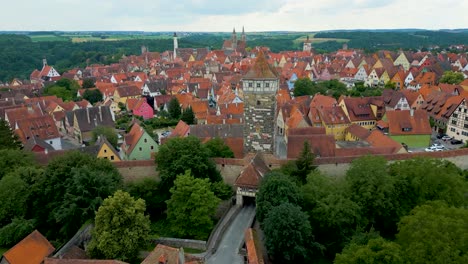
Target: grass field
319 40
38 38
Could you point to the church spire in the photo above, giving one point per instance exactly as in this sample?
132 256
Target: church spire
243 38
234 39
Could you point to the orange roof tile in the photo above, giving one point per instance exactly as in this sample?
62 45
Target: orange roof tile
31 250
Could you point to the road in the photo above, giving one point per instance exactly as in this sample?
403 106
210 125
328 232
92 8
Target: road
233 238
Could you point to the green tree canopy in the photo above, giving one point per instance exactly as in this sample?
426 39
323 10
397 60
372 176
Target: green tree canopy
8 139
121 228
108 132
13 232
303 86
304 164
191 207
11 159
88 83
288 235
93 95
451 77
64 88
370 186
178 155
174 108
435 233
275 189
218 149
59 180
149 190
376 251
188 116
84 194
423 179
13 196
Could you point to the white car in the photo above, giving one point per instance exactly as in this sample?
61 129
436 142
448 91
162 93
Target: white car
430 149
445 138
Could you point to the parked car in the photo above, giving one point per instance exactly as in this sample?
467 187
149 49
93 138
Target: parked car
430 149
445 138
456 142
439 136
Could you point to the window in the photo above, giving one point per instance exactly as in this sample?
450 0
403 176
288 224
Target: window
454 122
250 84
112 157
258 85
146 140
464 133
452 129
455 115
258 102
105 151
267 85
465 126
152 147
140 148
50 142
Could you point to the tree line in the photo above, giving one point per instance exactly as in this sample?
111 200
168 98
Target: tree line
411 211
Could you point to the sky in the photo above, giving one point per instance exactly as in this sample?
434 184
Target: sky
222 15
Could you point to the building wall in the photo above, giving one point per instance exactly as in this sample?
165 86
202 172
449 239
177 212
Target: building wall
106 153
457 126
413 141
259 114
338 131
142 150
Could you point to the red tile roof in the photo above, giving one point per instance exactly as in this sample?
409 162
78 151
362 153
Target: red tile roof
81 261
418 123
181 130
321 145
132 138
254 254
31 250
252 174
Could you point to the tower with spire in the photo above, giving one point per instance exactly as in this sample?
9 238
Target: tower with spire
234 39
233 44
260 85
243 38
307 45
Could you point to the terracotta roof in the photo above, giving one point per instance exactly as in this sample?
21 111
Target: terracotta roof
252 174
167 254
254 254
31 250
321 145
399 121
307 131
181 130
81 261
358 131
42 127
132 138
359 108
261 69
126 91
378 140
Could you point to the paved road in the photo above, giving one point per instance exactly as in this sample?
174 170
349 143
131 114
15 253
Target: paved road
227 252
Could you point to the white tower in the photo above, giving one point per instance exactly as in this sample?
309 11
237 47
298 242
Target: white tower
176 45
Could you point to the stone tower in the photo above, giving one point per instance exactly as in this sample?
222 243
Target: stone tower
176 45
234 39
260 85
307 45
243 38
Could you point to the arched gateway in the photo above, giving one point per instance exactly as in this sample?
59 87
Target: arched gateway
249 180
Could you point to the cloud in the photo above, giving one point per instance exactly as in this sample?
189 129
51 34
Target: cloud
211 15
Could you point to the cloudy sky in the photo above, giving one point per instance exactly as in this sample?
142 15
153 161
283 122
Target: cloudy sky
223 15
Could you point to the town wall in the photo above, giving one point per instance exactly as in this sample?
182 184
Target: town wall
178 243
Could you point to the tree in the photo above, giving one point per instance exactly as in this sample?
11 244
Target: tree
13 196
8 139
88 83
191 207
121 228
376 251
390 85
303 86
218 149
13 232
275 189
370 186
11 159
424 179
451 77
64 88
93 95
83 196
149 190
108 132
178 155
288 234
304 164
435 233
174 108
58 179
188 116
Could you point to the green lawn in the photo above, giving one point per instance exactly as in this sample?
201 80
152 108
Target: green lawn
192 251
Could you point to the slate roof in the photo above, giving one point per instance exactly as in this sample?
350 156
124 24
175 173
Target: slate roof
31 250
89 118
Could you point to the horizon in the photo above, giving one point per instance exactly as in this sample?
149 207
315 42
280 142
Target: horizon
215 16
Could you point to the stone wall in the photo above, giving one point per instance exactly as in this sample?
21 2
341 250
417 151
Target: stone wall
178 243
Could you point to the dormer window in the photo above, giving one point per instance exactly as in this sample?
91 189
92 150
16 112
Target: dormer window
406 129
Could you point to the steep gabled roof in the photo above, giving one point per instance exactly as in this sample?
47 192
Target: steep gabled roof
31 250
181 130
253 173
261 69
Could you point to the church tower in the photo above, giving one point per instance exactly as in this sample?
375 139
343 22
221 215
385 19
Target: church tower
234 39
243 38
260 85
176 45
307 45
